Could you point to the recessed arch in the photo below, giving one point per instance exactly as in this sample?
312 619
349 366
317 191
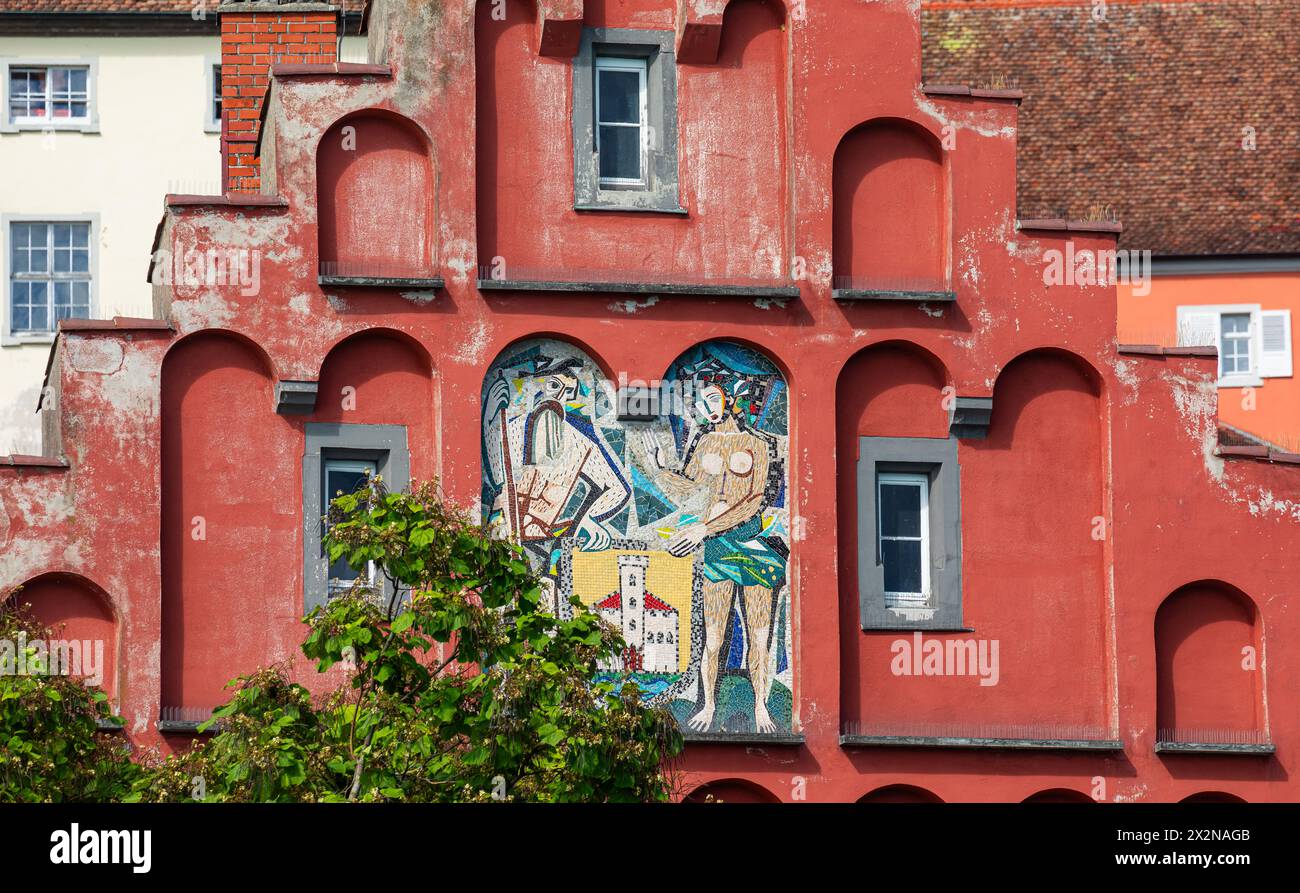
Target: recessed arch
900 793
731 790
1059 795
405 338
1209 665
1046 443
359 235
223 523
1212 797
890 389
267 365
890 208
80 612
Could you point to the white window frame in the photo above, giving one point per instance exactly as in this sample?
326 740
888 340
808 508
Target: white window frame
88 124
921 481
1248 379
6 228
211 123
329 464
640 66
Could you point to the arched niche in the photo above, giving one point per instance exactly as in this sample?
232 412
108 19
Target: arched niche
1059 795
1212 797
900 793
1209 669
731 790
79 613
888 390
890 209
380 376
229 526
360 159
1034 511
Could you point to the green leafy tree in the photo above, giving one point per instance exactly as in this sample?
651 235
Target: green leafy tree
462 686
51 747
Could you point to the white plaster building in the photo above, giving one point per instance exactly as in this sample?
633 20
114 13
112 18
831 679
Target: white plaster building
106 109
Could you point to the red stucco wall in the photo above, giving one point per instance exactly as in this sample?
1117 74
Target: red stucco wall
161 425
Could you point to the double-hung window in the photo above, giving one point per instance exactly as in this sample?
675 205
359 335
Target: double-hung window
621 121
49 95
212 114
49 275
903 524
343 476
625 122
908 529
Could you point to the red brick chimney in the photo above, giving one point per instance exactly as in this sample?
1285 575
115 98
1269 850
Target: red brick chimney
256 34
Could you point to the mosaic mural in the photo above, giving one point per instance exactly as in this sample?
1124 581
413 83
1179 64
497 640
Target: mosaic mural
674 530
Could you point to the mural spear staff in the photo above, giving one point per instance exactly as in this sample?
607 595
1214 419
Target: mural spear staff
512 505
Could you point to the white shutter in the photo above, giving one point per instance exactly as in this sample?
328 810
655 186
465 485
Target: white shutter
1275 341
1197 328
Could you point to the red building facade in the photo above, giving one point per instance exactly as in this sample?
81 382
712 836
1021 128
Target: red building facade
928 531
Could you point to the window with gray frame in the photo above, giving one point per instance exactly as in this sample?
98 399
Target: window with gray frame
339 458
625 122
909 533
49 275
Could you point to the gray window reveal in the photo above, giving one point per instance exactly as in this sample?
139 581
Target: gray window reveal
337 457
909 533
625 122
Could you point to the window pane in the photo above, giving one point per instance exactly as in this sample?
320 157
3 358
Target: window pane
620 96
346 480
81 235
80 300
900 510
620 153
345 477
1236 322
38 300
902 560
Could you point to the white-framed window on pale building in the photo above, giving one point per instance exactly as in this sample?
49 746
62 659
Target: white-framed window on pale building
50 266
49 94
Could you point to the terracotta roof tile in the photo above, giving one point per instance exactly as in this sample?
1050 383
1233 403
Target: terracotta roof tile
126 6
1145 112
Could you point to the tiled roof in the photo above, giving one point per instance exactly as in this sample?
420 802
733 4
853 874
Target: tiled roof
97 5
1145 112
